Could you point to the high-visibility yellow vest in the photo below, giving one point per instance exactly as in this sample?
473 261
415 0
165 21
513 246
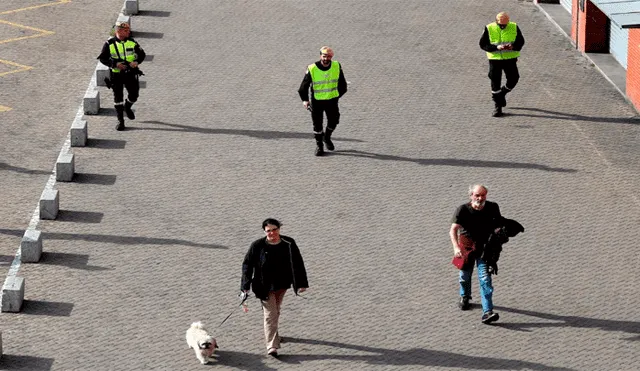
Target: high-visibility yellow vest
122 50
325 83
498 36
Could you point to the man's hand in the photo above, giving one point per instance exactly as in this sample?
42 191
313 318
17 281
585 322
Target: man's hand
243 295
121 66
306 104
456 252
133 64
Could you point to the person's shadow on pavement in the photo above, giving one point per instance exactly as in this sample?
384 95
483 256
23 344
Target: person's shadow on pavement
411 357
548 114
569 321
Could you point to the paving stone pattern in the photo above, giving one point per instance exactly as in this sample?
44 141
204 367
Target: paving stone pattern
151 234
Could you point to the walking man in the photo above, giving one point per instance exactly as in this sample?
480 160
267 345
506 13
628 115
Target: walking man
502 40
272 265
123 54
328 85
475 221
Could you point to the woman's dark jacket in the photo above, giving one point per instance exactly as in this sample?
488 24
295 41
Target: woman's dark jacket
253 272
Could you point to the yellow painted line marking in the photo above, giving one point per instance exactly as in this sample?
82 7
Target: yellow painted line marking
21 67
35 7
40 34
4 108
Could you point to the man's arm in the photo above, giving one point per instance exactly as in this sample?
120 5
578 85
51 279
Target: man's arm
140 54
304 87
453 234
519 43
105 56
485 44
342 84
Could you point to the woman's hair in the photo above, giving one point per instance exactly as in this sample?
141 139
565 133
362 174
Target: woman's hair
272 222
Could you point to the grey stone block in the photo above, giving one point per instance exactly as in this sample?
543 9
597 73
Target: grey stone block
49 204
102 72
12 294
31 246
65 167
92 102
79 133
130 7
125 18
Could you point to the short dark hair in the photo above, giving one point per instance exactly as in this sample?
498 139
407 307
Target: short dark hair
271 221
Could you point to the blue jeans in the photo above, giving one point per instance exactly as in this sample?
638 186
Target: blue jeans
486 288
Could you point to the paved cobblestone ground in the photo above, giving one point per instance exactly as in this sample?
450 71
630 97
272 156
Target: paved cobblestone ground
152 232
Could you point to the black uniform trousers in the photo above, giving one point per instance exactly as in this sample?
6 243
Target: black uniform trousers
318 107
510 68
128 80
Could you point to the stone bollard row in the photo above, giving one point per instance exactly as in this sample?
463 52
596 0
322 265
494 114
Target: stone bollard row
49 203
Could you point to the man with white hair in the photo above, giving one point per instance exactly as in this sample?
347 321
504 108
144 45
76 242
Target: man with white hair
328 85
123 54
502 40
474 221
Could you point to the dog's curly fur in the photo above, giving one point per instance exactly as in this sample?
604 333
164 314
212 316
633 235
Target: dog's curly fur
201 342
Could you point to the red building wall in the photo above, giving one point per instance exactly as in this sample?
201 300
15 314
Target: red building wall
633 67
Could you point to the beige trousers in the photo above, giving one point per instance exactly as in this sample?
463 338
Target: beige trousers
271 311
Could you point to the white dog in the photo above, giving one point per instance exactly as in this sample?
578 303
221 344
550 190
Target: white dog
201 342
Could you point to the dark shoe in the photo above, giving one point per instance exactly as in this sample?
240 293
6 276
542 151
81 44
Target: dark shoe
328 142
120 126
273 352
497 112
503 96
489 317
129 111
464 303
319 150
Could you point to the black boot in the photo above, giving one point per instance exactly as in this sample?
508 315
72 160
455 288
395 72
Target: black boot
503 92
120 114
327 139
128 110
319 144
497 100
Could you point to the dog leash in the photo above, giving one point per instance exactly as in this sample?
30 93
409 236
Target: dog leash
227 317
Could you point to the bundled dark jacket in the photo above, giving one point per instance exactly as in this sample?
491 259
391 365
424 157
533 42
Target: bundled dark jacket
506 228
253 272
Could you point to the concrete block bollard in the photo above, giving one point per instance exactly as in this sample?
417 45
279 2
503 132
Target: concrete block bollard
31 246
125 18
102 72
65 167
49 204
12 294
92 102
79 133
130 7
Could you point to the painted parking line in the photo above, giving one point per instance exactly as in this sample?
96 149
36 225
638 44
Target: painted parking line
35 7
4 108
20 67
40 32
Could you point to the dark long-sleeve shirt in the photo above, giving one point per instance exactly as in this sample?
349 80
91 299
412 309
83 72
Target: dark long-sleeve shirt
105 53
306 83
486 45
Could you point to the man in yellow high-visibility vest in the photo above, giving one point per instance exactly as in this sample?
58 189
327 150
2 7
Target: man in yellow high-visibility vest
502 40
123 54
327 83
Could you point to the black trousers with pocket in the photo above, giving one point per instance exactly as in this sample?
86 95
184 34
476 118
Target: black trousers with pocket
510 68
